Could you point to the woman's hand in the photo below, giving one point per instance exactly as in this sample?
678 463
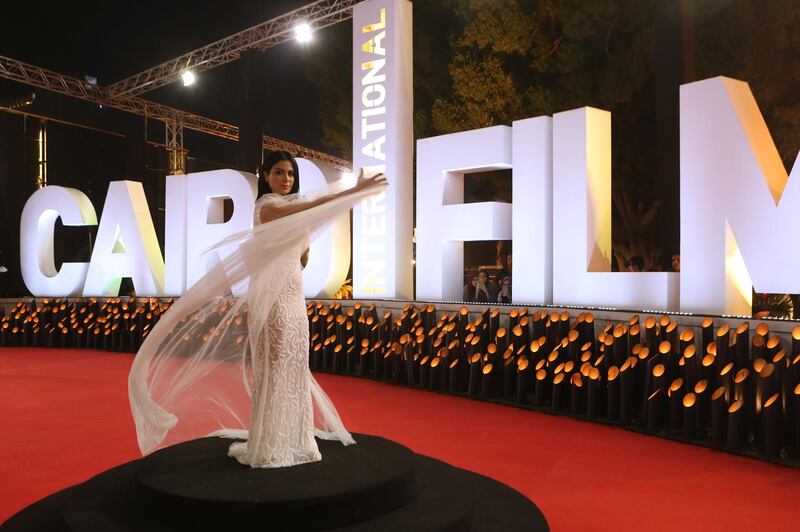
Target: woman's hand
481 288
365 181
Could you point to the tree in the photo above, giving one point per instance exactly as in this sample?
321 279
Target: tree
756 41
516 59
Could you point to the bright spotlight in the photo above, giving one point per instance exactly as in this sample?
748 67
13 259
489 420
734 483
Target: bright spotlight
188 78
303 32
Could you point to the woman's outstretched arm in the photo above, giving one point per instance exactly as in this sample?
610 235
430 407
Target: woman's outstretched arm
274 211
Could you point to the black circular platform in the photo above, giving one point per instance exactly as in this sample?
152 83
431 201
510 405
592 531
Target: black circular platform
374 485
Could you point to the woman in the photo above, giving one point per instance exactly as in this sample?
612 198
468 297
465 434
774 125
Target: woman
478 288
216 366
504 296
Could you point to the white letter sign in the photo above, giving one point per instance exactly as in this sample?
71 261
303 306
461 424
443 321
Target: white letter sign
582 222
205 223
383 142
444 222
126 245
37 225
738 207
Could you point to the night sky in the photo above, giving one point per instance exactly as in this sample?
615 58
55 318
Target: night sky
110 42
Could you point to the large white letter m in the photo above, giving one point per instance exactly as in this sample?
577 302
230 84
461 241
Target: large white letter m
739 209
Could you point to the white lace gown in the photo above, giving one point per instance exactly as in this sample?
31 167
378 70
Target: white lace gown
281 430
238 367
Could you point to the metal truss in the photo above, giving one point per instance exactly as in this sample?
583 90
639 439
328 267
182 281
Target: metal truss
173 135
271 143
76 88
174 119
273 32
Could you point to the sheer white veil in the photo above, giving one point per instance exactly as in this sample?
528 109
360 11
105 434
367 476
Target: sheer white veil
192 377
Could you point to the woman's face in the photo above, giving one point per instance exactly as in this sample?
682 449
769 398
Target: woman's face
281 178
482 278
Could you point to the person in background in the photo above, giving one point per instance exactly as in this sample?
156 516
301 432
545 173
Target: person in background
505 268
504 295
636 264
676 263
477 289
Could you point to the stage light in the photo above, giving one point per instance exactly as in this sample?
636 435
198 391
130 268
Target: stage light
303 33
188 78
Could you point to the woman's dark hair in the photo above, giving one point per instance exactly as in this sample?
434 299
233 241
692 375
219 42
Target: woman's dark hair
271 160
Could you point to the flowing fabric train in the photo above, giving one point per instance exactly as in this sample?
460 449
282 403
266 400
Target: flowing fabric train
192 376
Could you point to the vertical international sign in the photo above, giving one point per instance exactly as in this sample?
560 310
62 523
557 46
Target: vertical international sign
383 142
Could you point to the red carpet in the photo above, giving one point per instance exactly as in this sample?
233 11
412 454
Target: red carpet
65 418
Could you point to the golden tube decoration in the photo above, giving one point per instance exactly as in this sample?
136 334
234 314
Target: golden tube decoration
486 380
556 401
577 393
509 377
726 380
474 374
795 342
523 372
723 341
612 393
626 398
424 372
675 394
735 438
651 334
541 390
702 406
634 335
691 367
757 349
398 363
706 334
741 355
685 339
455 376
770 434
689 415
772 346
795 398
653 410
620 344
718 416
709 372
573 345
593 393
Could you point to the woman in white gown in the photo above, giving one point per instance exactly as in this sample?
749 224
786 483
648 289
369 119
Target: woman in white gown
219 366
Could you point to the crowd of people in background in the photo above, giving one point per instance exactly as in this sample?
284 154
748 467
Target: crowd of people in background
490 285
637 263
